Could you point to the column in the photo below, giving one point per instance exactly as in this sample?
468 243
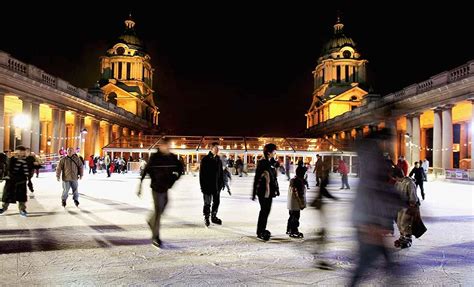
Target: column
447 137
463 141
437 141
360 132
2 120
111 136
106 133
423 144
416 134
409 140
77 130
44 137
391 146
7 132
82 139
62 129
55 135
26 131
96 148
471 131
35 127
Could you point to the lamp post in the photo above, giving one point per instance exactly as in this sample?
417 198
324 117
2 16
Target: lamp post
20 121
81 139
407 135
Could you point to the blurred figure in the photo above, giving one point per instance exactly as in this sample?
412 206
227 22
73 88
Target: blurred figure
107 164
420 177
211 178
296 201
164 169
343 170
302 169
227 179
375 205
288 167
32 164
92 165
3 164
239 166
265 186
425 165
15 188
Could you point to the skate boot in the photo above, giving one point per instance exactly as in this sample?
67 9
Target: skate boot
2 211
63 203
265 235
296 235
156 243
206 221
323 265
76 202
405 242
216 220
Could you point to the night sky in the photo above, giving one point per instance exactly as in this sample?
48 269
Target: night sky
240 69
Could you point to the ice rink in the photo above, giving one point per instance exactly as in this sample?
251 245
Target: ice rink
106 241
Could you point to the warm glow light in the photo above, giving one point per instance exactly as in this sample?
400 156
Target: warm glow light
21 121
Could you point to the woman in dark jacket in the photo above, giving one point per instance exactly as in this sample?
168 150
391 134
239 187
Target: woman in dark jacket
265 186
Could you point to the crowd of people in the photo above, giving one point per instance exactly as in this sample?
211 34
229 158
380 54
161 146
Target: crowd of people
387 192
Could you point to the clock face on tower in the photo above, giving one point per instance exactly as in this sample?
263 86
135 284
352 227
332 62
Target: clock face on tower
346 54
120 50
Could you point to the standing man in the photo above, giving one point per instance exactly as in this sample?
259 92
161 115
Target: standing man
211 178
70 169
420 176
164 169
288 167
107 164
343 170
15 187
265 186
318 169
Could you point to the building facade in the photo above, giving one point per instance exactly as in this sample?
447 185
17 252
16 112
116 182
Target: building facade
339 79
127 75
46 113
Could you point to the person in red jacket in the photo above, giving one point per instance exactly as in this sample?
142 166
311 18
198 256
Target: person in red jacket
403 165
343 170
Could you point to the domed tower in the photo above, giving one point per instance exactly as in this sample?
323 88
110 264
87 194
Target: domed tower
339 78
127 75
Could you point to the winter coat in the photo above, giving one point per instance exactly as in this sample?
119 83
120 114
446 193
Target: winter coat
419 173
69 168
343 168
211 175
3 165
107 160
15 186
164 170
403 165
297 194
265 183
91 162
407 190
319 167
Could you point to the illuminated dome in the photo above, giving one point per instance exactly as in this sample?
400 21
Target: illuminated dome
337 41
129 36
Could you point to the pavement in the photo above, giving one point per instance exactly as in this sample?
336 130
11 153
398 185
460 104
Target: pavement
106 241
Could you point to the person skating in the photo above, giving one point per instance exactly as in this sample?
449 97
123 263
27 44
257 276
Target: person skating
211 178
92 165
318 169
69 169
302 169
164 170
265 186
420 176
296 202
107 164
15 189
31 161
403 165
287 168
227 179
407 189
343 170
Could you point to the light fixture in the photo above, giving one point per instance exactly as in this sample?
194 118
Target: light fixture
84 131
21 121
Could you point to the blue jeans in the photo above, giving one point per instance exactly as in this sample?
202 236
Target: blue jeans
70 185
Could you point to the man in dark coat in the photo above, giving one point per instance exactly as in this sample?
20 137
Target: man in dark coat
420 176
164 169
318 169
265 186
211 178
15 187
31 161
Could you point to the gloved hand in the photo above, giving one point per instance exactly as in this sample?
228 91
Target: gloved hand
228 191
139 191
253 197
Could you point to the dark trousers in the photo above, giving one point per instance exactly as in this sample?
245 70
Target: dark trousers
160 200
30 183
37 171
345 181
318 179
293 222
107 167
215 198
265 207
420 184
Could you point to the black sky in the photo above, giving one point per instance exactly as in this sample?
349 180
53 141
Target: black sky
240 68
